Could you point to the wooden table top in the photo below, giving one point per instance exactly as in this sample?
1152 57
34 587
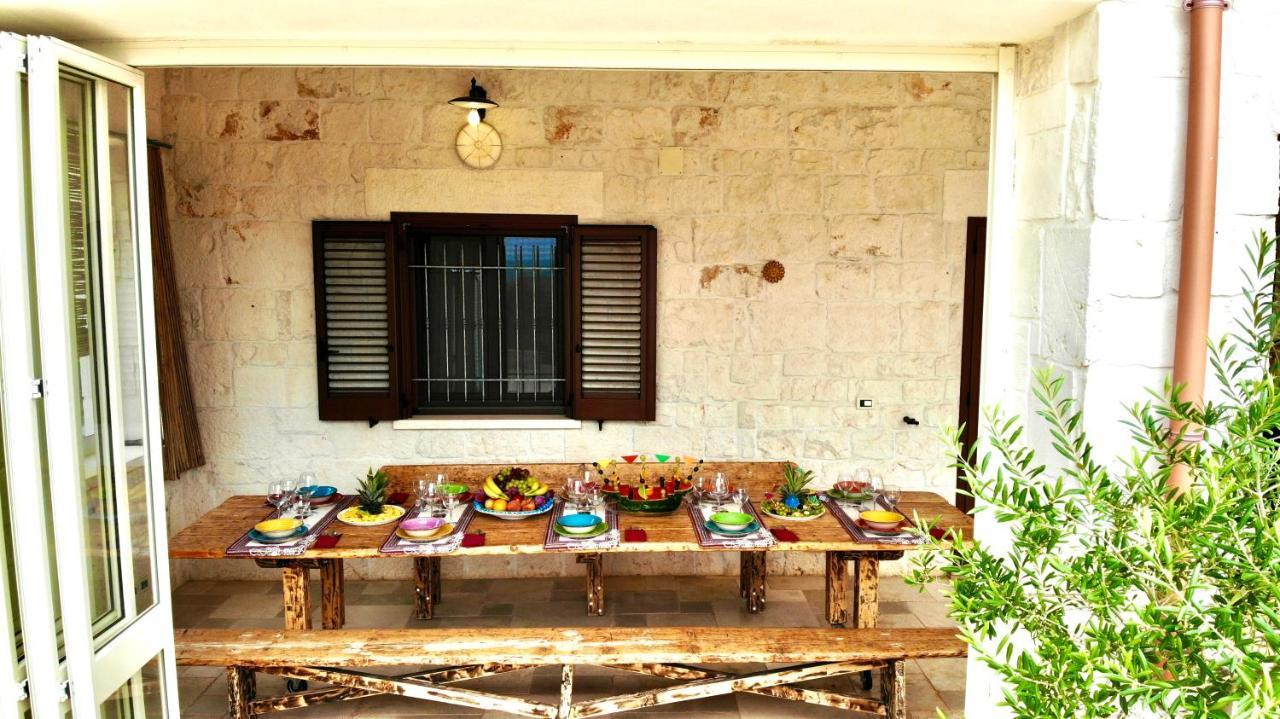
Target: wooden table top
209 536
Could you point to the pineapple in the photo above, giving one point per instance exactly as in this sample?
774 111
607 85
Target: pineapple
373 492
794 487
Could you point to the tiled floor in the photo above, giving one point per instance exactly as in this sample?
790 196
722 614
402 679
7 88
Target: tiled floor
492 604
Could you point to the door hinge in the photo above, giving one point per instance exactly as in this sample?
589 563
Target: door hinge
64 691
37 388
22 691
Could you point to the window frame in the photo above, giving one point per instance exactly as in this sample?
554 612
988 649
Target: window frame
408 224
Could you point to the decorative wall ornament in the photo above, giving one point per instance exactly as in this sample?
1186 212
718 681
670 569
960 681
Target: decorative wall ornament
773 272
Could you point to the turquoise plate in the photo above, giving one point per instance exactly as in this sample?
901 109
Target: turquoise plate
596 532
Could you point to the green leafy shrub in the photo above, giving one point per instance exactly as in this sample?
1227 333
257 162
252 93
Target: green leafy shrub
1117 598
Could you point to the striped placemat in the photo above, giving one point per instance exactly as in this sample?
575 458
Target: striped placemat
316 523
861 536
698 518
395 545
554 542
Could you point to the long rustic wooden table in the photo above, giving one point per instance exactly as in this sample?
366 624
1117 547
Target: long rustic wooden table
853 604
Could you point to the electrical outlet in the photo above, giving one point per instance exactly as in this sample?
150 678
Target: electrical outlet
865 404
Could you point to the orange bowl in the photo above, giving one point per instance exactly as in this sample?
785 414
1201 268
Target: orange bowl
881 520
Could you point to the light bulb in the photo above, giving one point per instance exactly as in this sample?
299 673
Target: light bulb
473 117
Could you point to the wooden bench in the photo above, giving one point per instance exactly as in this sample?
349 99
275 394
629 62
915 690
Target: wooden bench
342 658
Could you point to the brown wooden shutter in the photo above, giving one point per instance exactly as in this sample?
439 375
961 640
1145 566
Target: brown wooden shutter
356 324
613 301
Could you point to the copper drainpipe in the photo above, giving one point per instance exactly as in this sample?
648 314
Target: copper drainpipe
1198 208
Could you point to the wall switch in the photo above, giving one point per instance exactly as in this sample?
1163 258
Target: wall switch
864 404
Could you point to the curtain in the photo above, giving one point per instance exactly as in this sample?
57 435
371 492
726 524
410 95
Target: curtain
183 449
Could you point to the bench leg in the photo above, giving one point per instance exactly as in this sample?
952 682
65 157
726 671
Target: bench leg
837 588
297 595
753 575
595 583
426 581
893 689
333 601
566 692
241 690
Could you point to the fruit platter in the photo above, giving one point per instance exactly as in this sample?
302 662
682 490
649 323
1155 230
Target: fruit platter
654 491
371 508
514 493
793 499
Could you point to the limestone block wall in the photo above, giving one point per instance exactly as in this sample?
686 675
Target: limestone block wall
859 183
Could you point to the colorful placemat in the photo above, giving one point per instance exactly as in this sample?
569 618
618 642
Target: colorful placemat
396 546
606 511
321 518
699 514
861 536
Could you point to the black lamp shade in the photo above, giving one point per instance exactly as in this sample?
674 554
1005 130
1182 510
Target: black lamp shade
476 99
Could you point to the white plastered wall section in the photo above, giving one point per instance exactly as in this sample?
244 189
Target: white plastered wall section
1100 108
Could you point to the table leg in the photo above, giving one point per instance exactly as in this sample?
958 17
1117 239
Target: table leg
425 583
297 595
754 576
595 583
837 588
333 601
866 589
866 601
437 595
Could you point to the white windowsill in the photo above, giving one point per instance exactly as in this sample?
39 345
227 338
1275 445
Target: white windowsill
484 422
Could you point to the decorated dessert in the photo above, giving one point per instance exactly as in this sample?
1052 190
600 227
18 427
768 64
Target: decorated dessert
793 499
659 486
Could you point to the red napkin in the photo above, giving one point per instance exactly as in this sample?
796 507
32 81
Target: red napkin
473 539
939 533
327 541
398 498
782 534
635 535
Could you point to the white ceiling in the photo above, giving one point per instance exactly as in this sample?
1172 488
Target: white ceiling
776 25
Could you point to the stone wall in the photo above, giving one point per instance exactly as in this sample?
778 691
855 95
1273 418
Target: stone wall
859 183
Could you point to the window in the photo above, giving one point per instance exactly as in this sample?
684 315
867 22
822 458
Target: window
448 314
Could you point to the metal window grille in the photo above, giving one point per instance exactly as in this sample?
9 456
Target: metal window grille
489 323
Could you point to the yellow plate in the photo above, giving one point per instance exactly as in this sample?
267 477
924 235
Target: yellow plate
443 531
359 518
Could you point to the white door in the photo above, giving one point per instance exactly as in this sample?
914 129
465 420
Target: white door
81 407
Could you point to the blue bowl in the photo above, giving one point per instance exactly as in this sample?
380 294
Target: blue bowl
321 491
579 523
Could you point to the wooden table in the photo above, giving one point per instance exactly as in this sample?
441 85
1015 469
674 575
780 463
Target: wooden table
852 604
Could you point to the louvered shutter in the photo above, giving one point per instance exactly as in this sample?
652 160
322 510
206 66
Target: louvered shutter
613 291
356 324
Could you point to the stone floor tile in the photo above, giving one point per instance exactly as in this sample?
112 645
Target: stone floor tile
677 619
248 606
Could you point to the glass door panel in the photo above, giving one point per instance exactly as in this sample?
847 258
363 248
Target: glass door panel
141 697
97 339
127 301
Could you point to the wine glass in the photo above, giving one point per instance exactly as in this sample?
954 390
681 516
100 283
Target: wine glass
719 489
308 479
741 498
303 504
450 502
431 497
276 494
877 488
892 495
424 487
862 476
